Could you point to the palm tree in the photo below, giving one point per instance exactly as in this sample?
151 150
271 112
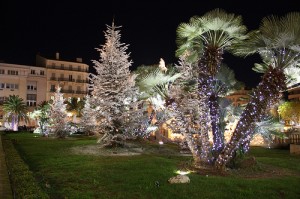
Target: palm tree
155 87
41 115
223 84
156 82
15 110
204 39
74 105
278 42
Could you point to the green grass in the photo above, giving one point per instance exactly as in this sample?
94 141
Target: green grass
75 176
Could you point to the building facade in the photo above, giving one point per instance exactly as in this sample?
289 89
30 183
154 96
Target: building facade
35 84
72 77
29 82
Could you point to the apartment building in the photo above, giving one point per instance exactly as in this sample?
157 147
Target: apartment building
72 76
35 84
29 82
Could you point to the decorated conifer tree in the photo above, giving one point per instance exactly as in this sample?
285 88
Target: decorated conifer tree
57 115
185 106
112 85
88 119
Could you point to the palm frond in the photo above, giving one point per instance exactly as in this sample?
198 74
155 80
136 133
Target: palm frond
250 45
156 82
189 39
292 75
226 28
277 40
225 82
216 28
260 68
15 107
268 127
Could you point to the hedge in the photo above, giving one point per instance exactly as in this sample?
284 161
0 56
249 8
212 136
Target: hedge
24 185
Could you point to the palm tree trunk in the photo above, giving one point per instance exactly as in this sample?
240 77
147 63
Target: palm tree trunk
266 94
208 65
203 93
14 123
218 138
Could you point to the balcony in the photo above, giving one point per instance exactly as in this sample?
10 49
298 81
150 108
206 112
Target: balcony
82 92
67 68
65 79
70 91
63 91
68 80
82 81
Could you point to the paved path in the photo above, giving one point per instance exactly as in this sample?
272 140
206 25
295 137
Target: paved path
5 188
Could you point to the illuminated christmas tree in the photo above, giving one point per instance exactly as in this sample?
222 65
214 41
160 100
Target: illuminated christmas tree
185 107
88 120
112 85
57 115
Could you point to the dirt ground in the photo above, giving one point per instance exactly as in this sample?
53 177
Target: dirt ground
130 148
253 170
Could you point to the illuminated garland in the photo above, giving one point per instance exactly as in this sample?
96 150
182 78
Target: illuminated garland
265 95
183 114
218 137
208 66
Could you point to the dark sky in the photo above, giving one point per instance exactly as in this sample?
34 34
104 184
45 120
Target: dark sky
75 28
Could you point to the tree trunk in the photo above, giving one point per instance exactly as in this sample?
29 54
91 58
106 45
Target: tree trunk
184 110
208 66
14 123
203 88
266 94
218 137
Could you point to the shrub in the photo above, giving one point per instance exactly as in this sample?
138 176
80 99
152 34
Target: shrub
22 180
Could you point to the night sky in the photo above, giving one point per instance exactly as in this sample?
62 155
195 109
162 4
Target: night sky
75 29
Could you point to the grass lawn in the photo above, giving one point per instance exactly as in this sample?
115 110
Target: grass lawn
65 174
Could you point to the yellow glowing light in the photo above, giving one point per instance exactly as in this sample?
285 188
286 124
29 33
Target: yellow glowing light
69 114
182 172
